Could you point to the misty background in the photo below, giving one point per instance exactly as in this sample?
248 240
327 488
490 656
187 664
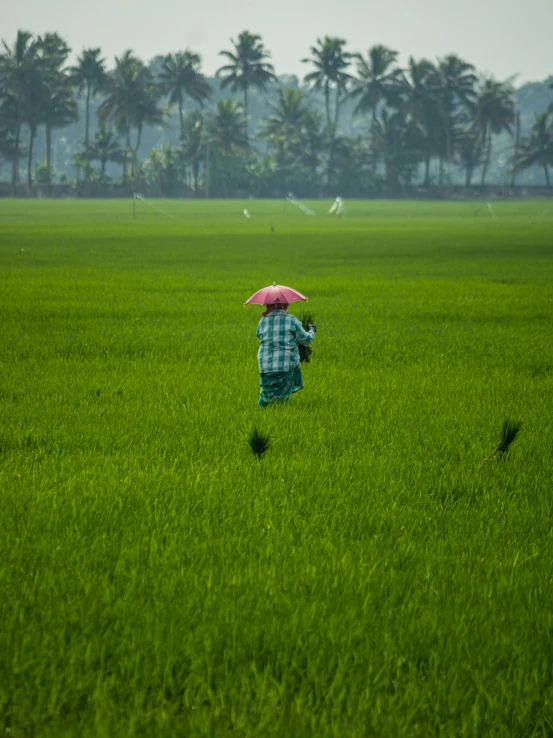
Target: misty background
503 44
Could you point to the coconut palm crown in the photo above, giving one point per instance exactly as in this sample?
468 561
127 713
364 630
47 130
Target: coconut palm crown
247 67
181 75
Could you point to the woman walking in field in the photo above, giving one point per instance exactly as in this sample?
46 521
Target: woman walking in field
279 336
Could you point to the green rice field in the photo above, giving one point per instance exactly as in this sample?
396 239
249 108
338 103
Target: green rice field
367 577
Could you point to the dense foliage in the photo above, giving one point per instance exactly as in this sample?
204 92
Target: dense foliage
358 125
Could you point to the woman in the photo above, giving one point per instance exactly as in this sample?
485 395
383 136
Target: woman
279 360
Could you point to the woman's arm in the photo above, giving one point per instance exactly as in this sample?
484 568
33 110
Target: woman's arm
304 338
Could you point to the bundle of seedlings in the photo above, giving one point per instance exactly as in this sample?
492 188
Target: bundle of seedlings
259 442
509 432
307 319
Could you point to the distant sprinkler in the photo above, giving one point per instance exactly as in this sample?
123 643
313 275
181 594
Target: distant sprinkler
337 207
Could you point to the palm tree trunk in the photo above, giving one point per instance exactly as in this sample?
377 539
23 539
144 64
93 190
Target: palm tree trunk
15 160
517 144
327 103
127 152
448 149
468 176
427 171
30 158
336 112
206 171
86 134
487 159
333 127
246 113
48 152
546 172
373 158
181 119
135 150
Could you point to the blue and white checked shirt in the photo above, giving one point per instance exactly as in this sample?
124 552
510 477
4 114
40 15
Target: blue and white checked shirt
279 335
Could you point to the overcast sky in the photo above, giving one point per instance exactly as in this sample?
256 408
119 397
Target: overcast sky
500 37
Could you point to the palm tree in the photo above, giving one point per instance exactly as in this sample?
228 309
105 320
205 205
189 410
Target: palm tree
58 110
330 62
423 105
396 142
457 91
18 71
32 114
105 148
378 80
294 135
470 150
288 114
8 150
226 130
311 140
180 74
54 50
226 149
56 105
537 147
353 166
247 68
192 143
131 102
8 117
163 168
494 113
89 75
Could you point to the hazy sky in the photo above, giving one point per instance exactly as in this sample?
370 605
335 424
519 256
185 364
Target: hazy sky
501 37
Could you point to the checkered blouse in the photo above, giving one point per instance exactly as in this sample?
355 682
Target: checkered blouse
279 335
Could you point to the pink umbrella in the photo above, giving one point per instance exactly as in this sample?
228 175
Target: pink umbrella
275 293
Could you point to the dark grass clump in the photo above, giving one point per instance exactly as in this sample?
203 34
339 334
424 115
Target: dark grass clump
259 442
307 318
510 431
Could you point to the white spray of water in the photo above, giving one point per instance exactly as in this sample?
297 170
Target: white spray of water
153 207
299 204
338 207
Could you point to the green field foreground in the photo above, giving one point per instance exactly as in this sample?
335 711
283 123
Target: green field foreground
369 575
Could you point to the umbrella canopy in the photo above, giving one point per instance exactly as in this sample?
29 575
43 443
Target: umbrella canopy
274 294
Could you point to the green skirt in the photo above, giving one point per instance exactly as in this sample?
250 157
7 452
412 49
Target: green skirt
278 386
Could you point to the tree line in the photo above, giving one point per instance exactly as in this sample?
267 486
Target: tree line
428 117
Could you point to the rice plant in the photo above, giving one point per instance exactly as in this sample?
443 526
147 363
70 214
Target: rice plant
307 318
259 442
509 433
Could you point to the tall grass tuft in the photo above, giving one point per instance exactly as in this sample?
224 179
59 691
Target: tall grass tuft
306 318
259 442
509 433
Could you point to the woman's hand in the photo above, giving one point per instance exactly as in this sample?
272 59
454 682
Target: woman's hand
312 327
